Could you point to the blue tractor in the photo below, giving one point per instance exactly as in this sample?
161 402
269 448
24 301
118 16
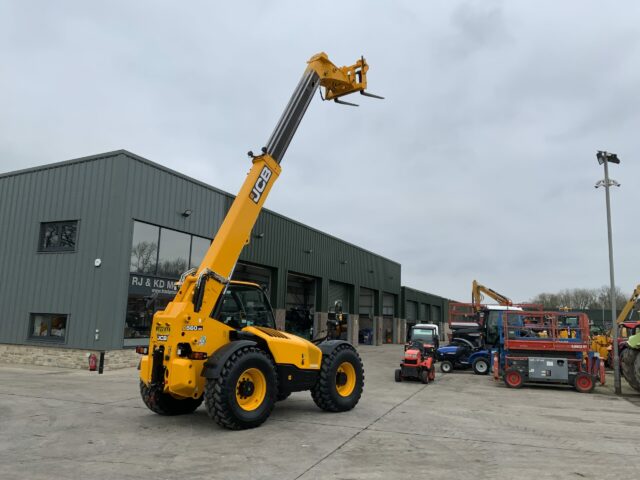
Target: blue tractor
462 353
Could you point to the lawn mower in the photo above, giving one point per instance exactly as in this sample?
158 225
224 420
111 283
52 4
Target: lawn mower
417 363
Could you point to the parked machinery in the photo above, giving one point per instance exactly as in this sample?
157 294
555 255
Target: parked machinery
462 354
428 333
417 363
629 348
216 341
477 296
545 347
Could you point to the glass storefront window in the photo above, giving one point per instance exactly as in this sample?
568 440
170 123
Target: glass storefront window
199 247
144 250
174 253
140 310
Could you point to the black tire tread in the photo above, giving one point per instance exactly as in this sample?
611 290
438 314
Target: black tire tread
217 389
481 359
321 393
164 404
628 360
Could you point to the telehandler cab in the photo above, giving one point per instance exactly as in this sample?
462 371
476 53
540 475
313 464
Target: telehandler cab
216 341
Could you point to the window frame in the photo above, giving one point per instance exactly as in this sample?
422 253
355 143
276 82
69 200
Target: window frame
49 338
41 249
160 228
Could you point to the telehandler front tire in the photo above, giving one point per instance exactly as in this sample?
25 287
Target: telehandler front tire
244 393
341 380
164 404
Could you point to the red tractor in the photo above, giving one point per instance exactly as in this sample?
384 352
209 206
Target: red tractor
418 363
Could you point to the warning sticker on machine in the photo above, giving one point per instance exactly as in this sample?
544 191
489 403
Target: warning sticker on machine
162 332
549 364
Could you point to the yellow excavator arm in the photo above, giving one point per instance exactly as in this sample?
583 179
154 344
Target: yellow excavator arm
478 291
626 310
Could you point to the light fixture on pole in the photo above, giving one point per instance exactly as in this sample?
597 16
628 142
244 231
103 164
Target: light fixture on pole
604 158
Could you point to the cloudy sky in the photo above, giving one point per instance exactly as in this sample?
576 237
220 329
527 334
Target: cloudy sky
480 164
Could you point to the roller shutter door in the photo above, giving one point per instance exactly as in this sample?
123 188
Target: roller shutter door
388 305
339 291
366 302
411 311
253 273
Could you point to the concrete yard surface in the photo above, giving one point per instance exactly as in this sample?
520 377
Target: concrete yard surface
70 424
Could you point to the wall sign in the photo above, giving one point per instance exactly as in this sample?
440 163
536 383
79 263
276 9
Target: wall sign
146 286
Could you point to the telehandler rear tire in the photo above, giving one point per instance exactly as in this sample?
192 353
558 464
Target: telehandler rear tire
341 380
164 404
245 392
630 366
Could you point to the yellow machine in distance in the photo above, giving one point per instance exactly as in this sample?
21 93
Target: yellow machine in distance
217 341
477 295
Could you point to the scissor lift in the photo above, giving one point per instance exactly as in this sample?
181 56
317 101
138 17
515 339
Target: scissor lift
546 348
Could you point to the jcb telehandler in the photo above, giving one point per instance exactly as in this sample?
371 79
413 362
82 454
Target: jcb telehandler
216 341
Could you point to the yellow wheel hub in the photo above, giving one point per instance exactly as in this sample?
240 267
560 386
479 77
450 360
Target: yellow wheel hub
345 379
251 389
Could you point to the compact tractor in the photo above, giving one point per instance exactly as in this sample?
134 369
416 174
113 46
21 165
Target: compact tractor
216 341
418 363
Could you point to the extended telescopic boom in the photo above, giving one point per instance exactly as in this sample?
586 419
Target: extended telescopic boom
233 235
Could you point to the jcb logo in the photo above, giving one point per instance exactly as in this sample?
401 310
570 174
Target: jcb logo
260 184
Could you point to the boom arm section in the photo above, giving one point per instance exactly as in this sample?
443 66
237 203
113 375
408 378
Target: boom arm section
477 296
234 232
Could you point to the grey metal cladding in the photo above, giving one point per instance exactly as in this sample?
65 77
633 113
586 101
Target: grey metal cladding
49 282
105 193
419 297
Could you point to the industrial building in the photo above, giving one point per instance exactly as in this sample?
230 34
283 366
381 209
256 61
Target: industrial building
93 246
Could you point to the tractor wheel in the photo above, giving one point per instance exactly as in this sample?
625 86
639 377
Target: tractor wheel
584 383
244 394
446 366
398 375
341 380
513 378
164 404
630 367
424 376
432 374
480 366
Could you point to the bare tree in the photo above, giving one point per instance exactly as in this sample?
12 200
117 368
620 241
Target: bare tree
604 299
580 298
143 257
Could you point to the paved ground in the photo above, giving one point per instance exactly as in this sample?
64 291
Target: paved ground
63 424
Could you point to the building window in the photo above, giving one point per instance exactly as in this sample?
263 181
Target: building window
162 252
58 236
144 250
48 326
199 247
173 256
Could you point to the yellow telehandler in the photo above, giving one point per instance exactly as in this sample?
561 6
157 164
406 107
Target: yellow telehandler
217 341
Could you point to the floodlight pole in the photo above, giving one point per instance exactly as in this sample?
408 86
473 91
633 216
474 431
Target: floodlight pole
617 385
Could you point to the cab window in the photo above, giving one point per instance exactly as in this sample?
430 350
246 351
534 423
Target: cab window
245 306
492 332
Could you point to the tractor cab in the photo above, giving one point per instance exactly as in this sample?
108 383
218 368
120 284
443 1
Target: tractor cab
244 304
425 333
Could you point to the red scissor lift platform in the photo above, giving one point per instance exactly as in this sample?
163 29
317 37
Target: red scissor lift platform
546 347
